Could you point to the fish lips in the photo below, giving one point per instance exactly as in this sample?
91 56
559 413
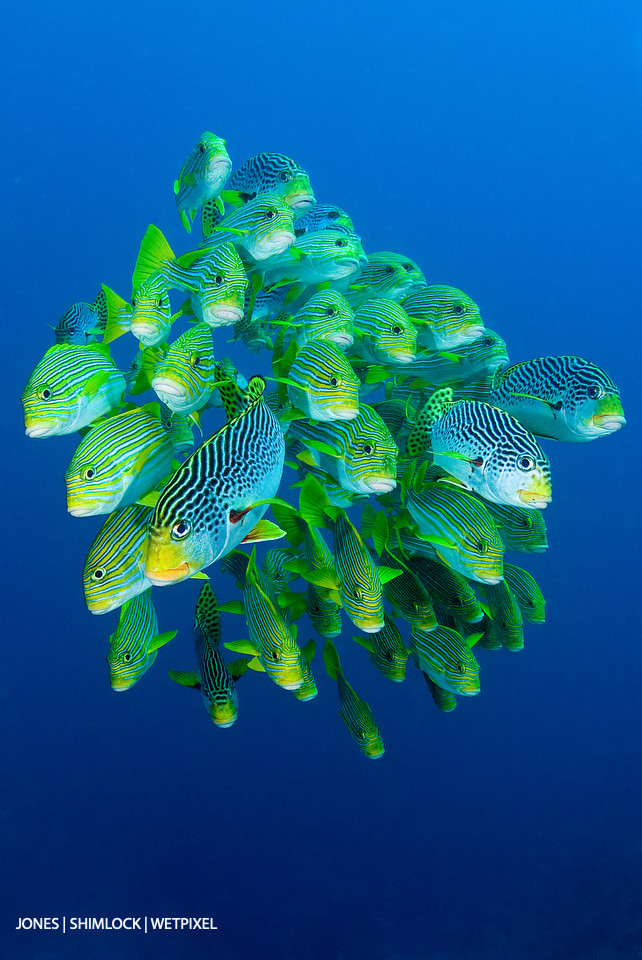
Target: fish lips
167 389
534 499
301 201
165 578
609 422
381 484
41 428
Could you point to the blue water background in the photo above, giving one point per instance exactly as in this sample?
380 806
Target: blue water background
499 145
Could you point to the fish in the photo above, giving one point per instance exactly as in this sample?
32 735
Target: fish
214 677
184 377
323 216
451 592
355 712
384 333
118 461
444 700
408 596
447 659
322 384
565 398
317 258
202 176
217 285
357 580
261 228
114 570
387 275
521 529
485 449
446 318
135 642
359 454
455 528
271 173
83 322
71 386
325 316
387 650
527 594
504 622
217 497
477 361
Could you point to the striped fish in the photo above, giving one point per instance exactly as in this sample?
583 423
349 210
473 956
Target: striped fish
207 508
262 228
323 216
360 454
184 377
325 316
151 317
387 650
135 642
527 593
447 659
329 255
387 275
114 570
521 529
271 173
504 623
448 317
202 176
357 578
565 398
460 528
213 677
487 450
217 284
355 712
69 388
408 597
118 462
325 615
472 362
83 322
444 700
451 593
326 387
384 333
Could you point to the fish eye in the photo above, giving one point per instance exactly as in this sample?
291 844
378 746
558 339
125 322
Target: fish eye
201 148
334 381
333 215
389 270
594 391
285 175
408 266
525 463
98 573
160 302
270 214
195 360
180 530
45 393
388 655
330 312
459 309
482 546
88 474
340 243
133 302
460 667
488 341
396 330
127 657
368 448
218 280
356 594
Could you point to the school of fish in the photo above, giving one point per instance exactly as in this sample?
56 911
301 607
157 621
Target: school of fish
390 408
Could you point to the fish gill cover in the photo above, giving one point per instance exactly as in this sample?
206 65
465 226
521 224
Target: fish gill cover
391 411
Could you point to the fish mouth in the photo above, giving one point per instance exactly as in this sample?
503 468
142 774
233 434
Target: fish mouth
372 628
609 422
165 578
534 499
301 201
475 331
341 339
291 686
402 356
344 412
223 724
121 685
79 510
484 577
40 429
166 388
381 485
147 333
228 314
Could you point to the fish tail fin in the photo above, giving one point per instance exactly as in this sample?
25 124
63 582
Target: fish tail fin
314 503
153 254
118 315
331 660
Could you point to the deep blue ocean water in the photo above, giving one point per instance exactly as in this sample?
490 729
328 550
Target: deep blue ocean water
499 145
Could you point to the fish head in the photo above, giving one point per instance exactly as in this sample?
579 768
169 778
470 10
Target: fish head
151 315
176 550
223 709
296 190
600 414
92 487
